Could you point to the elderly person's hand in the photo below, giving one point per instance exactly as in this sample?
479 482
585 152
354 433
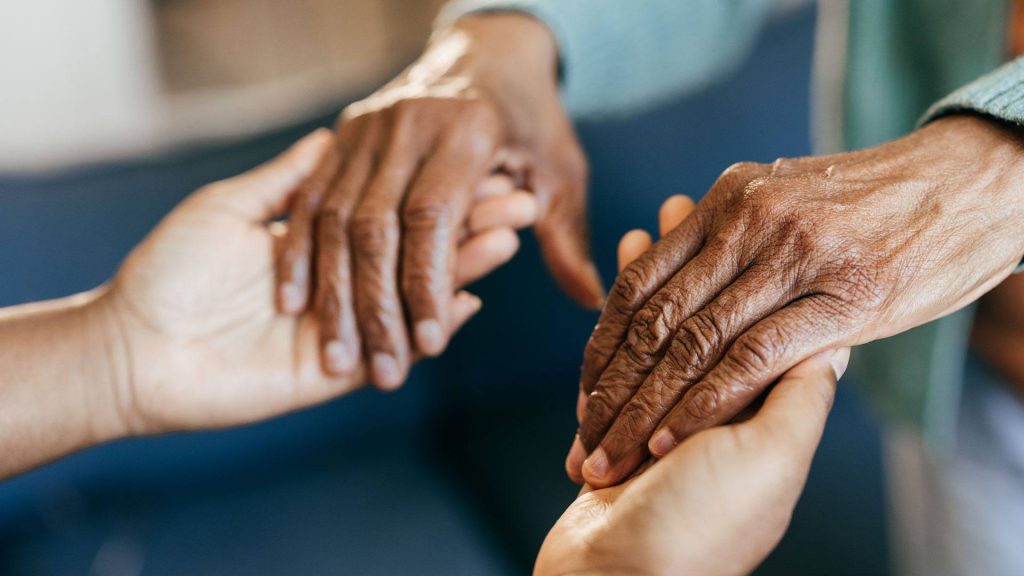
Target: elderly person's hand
200 342
482 99
782 261
719 503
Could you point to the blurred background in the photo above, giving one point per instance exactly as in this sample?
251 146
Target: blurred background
112 111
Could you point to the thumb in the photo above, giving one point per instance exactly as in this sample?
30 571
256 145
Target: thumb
265 191
564 237
795 410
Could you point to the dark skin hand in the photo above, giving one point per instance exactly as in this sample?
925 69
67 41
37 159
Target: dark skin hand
386 216
782 261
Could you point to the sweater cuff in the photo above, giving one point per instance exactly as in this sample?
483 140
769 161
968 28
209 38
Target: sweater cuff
999 94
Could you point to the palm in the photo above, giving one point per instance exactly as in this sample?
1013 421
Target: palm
198 294
202 287
684 511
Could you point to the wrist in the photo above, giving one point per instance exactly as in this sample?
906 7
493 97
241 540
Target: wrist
995 150
505 45
110 392
510 56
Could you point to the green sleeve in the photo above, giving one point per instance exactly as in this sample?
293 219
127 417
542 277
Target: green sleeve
999 94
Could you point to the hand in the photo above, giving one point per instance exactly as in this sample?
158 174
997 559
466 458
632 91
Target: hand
782 261
483 97
194 304
719 503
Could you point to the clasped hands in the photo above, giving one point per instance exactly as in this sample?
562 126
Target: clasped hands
197 295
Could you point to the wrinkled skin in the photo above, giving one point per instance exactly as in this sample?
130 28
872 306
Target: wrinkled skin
199 342
718 504
782 261
385 218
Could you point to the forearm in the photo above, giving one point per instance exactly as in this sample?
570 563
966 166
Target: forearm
57 380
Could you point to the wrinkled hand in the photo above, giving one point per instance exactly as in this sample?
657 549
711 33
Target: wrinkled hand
782 261
194 303
719 503
385 214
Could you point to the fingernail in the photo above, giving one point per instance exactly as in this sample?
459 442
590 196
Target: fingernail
338 356
597 465
429 338
385 371
662 442
291 297
574 462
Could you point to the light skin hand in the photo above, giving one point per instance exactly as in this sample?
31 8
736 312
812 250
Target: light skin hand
187 336
720 502
385 217
782 261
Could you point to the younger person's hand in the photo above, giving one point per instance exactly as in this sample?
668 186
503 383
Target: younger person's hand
200 342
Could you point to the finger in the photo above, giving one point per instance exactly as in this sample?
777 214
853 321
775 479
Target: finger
631 246
637 283
264 192
294 263
672 213
651 327
484 253
515 209
634 243
643 278
464 307
628 420
340 346
495 185
375 233
431 220
574 461
564 236
795 410
759 356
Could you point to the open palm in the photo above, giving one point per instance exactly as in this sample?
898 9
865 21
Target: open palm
198 296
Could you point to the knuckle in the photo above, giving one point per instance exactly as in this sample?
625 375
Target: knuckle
754 353
373 233
638 420
426 214
650 329
696 345
331 223
703 403
421 287
630 286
